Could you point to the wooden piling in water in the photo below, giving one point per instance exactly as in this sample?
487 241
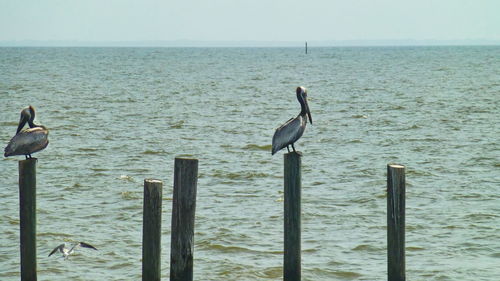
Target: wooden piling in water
292 224
151 230
27 214
396 222
183 214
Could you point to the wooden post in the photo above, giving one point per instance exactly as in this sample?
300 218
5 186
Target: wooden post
151 230
183 213
27 214
396 222
292 260
306 47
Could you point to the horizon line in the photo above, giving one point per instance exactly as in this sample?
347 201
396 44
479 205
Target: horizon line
248 43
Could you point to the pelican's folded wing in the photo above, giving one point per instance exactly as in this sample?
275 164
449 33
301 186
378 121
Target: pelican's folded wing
287 134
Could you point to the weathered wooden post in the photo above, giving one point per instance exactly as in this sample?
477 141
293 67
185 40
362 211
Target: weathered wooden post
396 222
27 214
151 230
292 259
183 213
306 47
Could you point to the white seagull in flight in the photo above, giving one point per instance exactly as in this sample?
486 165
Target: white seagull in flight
68 251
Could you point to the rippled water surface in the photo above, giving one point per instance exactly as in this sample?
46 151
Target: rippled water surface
120 115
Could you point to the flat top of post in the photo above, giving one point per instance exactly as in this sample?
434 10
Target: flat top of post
396 166
29 159
186 158
153 181
294 152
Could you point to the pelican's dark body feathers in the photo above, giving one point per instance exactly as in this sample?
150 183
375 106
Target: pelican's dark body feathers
288 133
27 141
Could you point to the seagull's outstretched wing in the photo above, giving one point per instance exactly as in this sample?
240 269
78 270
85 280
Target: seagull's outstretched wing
86 245
58 248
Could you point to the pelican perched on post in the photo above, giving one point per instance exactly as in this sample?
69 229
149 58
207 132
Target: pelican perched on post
293 129
68 251
27 141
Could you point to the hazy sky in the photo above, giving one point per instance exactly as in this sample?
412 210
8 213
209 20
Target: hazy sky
260 20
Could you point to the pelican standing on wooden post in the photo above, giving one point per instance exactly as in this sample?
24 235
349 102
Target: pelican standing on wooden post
293 129
27 141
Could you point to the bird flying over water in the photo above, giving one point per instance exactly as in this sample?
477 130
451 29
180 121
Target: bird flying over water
68 251
30 140
293 129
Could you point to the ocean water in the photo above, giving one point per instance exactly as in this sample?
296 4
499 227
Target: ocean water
120 115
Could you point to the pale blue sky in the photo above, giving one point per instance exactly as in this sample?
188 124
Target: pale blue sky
249 20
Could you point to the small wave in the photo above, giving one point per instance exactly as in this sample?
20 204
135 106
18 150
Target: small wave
397 107
366 248
130 195
441 69
127 178
239 176
9 124
266 147
419 173
184 156
99 169
257 78
246 87
347 274
481 216
362 200
482 159
425 140
139 170
414 248
412 127
87 149
495 255
121 265
317 183
177 125
325 274
152 152
359 116
14 221
15 87
233 249
229 249
273 272
58 234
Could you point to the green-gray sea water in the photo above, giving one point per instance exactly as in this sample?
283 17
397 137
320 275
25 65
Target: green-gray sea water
120 115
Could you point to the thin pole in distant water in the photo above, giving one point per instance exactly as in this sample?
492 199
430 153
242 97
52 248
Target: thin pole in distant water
306 47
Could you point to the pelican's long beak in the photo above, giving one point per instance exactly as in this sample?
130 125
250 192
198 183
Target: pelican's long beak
25 117
308 111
